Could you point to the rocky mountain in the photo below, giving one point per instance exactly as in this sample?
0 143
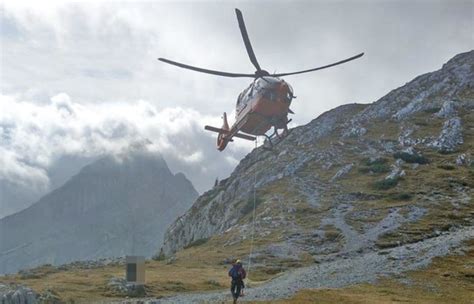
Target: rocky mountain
359 177
373 201
115 206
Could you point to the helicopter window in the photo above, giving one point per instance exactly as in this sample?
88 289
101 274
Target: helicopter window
251 89
239 99
248 91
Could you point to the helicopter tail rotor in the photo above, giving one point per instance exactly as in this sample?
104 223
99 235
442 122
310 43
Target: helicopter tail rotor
222 137
225 134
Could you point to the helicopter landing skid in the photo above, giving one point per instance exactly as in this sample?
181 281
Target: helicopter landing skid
275 137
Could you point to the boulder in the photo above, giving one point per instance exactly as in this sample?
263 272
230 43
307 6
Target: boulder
121 287
49 296
463 160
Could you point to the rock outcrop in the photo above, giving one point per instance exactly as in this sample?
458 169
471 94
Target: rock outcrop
17 294
450 137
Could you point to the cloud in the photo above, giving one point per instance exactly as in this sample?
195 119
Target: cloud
106 51
19 172
35 135
102 54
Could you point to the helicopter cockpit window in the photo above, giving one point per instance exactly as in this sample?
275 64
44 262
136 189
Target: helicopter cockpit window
248 92
243 98
290 92
290 88
239 99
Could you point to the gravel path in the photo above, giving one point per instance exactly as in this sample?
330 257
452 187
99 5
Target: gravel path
346 270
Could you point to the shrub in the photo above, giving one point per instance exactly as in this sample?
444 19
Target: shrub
432 110
197 242
379 165
160 256
401 196
387 183
411 158
446 167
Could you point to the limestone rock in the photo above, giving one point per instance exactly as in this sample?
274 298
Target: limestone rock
450 137
343 171
396 172
121 287
355 132
17 294
49 296
447 110
464 159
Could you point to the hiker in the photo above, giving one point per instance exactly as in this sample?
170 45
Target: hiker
237 273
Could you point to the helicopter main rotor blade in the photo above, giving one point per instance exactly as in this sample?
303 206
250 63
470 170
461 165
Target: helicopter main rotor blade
246 39
320 68
219 73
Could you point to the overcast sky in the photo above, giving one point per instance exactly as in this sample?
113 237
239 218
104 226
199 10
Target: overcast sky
82 78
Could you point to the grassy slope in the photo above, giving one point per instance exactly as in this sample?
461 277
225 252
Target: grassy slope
447 280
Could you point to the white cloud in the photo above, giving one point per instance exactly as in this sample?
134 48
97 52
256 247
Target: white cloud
15 170
34 135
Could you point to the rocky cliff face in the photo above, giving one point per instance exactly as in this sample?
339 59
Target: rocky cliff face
115 206
357 177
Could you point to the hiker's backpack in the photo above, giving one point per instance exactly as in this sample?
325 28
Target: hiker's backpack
234 273
242 273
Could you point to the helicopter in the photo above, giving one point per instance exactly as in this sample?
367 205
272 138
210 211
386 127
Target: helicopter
264 104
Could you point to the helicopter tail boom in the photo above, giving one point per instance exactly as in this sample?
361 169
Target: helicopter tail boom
222 131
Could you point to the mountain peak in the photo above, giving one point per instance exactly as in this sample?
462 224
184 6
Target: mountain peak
115 206
348 169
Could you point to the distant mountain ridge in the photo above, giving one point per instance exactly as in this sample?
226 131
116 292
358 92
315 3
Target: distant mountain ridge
115 206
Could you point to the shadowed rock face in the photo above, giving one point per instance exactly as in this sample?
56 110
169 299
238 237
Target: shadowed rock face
15 197
112 207
311 170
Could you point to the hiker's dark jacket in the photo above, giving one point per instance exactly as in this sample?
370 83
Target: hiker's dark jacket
237 272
